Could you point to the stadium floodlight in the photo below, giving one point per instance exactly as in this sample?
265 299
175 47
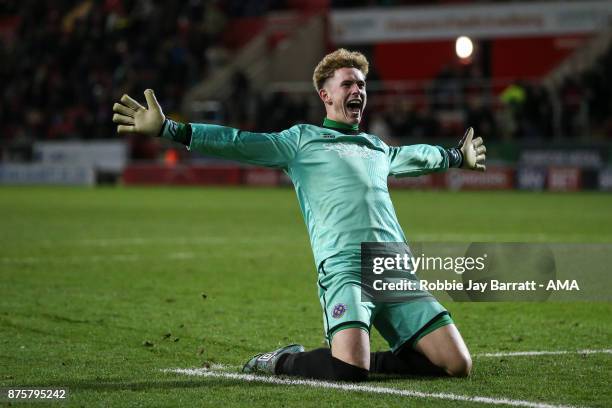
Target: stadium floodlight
464 47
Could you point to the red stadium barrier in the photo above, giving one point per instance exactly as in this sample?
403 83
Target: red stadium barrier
260 177
156 174
553 178
564 179
426 182
495 178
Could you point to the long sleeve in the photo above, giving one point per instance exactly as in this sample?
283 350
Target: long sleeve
262 149
415 160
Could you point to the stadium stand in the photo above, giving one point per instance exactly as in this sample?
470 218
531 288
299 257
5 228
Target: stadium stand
65 62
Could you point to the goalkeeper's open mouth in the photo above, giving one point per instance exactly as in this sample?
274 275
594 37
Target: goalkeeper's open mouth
354 107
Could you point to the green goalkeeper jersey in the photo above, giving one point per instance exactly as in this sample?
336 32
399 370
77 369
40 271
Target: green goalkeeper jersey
339 174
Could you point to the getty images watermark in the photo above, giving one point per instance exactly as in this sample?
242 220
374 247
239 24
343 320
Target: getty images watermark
392 272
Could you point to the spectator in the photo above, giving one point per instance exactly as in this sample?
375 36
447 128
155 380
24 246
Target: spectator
69 61
480 116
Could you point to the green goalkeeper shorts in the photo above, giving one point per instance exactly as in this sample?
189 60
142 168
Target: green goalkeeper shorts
399 323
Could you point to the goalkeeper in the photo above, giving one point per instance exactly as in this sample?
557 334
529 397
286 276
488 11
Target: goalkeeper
340 177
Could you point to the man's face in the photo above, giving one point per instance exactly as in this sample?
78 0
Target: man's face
344 95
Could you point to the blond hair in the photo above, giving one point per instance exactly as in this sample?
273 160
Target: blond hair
341 58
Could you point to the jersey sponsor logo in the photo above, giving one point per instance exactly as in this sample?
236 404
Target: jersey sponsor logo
350 150
328 136
339 310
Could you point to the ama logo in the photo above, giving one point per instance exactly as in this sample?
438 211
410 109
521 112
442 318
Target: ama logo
562 285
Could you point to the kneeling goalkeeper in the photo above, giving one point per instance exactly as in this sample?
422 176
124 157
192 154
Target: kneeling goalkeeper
340 177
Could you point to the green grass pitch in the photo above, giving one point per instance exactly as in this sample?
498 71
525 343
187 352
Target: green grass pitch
101 289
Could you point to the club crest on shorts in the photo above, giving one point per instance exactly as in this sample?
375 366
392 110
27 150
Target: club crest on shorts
338 310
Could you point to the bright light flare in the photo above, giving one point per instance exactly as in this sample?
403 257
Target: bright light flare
464 47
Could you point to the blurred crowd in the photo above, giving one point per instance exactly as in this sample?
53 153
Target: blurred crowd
64 63
458 97
395 3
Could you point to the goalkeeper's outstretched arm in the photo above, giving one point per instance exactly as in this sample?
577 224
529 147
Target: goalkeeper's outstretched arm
415 160
263 149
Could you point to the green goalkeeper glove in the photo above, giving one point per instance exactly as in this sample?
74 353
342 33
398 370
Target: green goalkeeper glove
473 152
133 118
470 154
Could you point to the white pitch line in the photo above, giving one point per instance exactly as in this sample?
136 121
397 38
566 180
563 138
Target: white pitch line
363 388
143 241
452 237
449 237
225 367
92 258
543 353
